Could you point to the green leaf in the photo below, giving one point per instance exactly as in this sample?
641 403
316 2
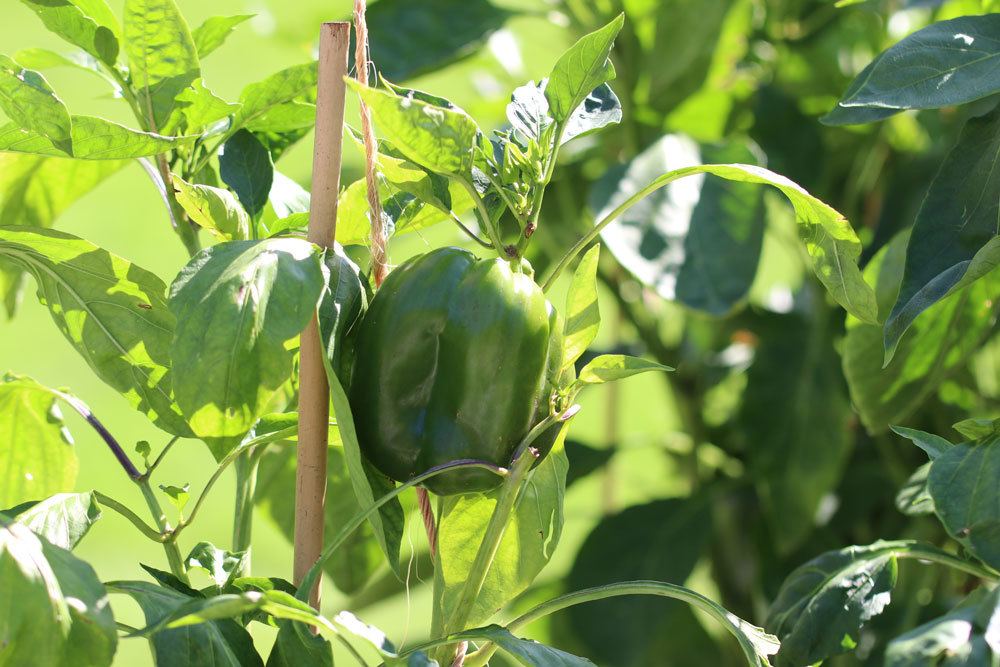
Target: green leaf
947 63
583 317
214 209
795 421
933 445
220 564
696 241
93 139
939 343
34 191
88 24
974 429
344 301
956 236
245 166
528 112
597 110
62 519
581 69
284 86
914 499
966 499
237 304
162 56
213 33
526 651
823 604
620 547
113 312
287 197
527 545
298 649
221 643
199 107
29 101
36 451
432 136
179 495
287 117
612 367
447 35
963 636
353 564
44 59
57 611
368 484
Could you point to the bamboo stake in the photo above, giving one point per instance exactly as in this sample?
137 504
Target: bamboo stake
314 392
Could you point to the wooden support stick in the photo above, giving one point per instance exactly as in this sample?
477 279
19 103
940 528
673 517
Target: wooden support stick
314 392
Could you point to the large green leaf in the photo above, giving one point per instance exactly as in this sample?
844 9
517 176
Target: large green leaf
34 191
162 56
54 610
62 519
27 99
92 139
964 637
88 24
525 651
245 166
113 312
434 137
37 457
956 237
966 497
619 631
583 317
946 63
527 546
939 343
448 32
823 604
581 69
198 107
221 643
795 419
237 304
212 34
279 88
353 564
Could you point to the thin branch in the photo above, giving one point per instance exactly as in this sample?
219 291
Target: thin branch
161 456
109 439
136 520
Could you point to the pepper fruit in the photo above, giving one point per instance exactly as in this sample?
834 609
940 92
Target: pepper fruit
456 358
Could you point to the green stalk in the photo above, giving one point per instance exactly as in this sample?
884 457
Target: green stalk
246 482
174 558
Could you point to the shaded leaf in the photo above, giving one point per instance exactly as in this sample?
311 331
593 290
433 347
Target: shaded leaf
220 564
612 367
698 240
526 651
823 604
956 236
223 643
974 429
963 636
62 519
948 62
37 456
245 166
237 304
914 499
933 445
113 312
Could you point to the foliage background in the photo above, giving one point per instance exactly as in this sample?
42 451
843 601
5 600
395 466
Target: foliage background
778 65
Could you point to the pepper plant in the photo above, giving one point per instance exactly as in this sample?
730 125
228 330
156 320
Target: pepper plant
462 374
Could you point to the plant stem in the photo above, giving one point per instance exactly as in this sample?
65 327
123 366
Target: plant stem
484 216
246 482
143 527
169 545
510 492
159 459
95 423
